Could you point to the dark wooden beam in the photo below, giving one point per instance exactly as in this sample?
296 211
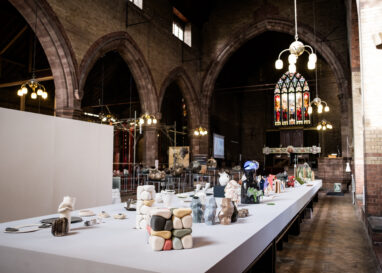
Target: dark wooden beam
11 42
41 79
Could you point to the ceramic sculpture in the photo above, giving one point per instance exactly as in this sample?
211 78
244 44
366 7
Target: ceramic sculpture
210 211
145 200
170 229
242 213
232 190
202 193
211 163
197 212
223 178
249 183
60 227
65 208
167 197
226 212
234 213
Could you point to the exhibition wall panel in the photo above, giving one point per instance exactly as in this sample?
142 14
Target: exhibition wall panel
44 158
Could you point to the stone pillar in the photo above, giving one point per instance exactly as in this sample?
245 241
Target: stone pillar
67 112
370 24
150 153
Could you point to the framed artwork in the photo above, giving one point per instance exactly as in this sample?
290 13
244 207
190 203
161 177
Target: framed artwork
179 154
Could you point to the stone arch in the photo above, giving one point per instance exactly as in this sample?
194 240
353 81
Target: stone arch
58 50
188 91
255 29
130 52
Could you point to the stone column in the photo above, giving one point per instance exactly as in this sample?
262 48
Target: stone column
150 152
370 24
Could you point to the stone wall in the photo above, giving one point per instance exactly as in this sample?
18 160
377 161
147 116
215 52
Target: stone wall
370 23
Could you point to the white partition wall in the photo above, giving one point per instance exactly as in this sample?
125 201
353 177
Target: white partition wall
44 158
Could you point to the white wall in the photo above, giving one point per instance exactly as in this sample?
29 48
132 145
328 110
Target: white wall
44 158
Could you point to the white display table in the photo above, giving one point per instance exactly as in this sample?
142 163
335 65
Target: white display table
114 246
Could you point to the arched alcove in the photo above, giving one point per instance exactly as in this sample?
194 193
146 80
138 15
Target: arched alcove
110 89
241 107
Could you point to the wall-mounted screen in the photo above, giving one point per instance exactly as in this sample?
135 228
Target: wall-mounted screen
218 146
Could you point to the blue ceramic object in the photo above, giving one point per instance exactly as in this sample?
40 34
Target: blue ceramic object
210 211
197 212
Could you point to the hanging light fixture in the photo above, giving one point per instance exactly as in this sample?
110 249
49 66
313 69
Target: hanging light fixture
147 119
38 90
323 125
296 49
200 131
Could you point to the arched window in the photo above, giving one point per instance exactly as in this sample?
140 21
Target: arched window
291 100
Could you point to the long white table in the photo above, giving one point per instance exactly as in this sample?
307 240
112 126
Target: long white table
115 246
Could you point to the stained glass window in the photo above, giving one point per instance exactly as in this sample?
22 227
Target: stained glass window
291 100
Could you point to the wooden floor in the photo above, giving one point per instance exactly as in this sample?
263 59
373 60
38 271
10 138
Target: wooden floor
333 240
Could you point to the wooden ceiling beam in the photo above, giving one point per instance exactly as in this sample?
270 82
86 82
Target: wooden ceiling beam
10 84
11 42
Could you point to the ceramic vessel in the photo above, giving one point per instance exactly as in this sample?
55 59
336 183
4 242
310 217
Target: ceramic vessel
65 208
167 196
223 178
197 212
210 211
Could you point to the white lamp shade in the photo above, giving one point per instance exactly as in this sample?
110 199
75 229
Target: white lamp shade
319 108
348 169
311 65
292 68
313 58
292 59
279 64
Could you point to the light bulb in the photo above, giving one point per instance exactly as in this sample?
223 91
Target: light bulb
310 110
324 128
313 58
205 132
311 65
149 121
20 93
319 126
155 121
329 126
319 108
104 119
279 64
44 95
39 92
25 90
326 109
141 121
292 68
196 132
292 59
34 95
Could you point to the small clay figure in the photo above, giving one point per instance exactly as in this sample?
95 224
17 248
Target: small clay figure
232 190
226 212
197 212
210 211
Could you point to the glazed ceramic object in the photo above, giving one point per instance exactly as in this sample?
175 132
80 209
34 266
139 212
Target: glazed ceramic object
223 178
210 211
65 208
232 190
234 213
167 196
226 212
197 212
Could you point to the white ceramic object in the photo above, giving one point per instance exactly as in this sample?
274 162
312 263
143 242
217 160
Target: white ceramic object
233 191
65 208
223 178
167 196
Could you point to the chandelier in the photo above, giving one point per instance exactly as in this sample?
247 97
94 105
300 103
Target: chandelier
323 125
200 131
38 90
296 49
147 119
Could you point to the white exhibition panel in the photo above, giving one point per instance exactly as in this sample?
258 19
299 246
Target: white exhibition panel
44 158
115 246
